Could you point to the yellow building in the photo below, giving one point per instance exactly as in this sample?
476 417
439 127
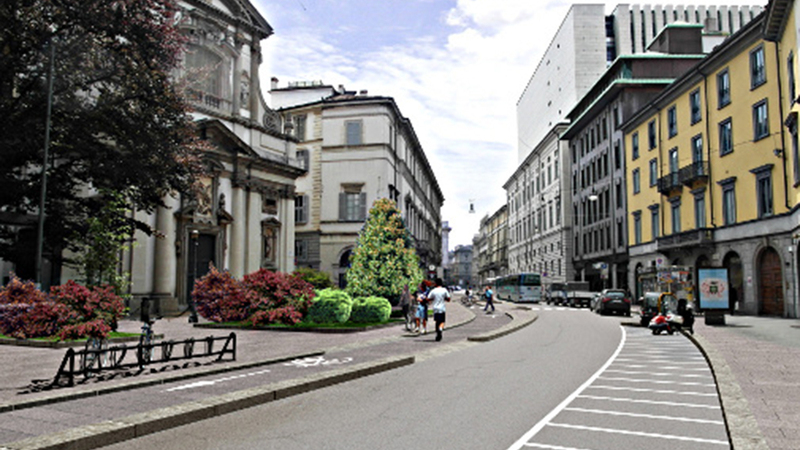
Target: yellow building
712 168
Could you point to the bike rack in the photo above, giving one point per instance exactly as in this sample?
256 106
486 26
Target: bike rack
114 358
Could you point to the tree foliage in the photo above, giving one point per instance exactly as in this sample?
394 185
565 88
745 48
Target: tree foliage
384 258
119 122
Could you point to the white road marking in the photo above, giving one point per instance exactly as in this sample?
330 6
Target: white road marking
666 361
552 414
655 391
639 433
317 361
642 366
634 380
205 383
649 402
660 374
645 416
553 447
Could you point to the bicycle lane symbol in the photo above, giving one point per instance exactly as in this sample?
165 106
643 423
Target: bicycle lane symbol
317 361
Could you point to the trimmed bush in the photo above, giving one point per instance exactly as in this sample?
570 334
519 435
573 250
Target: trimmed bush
96 311
279 291
330 306
16 299
319 279
370 310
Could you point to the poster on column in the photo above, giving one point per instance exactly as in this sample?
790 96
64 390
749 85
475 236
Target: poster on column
713 288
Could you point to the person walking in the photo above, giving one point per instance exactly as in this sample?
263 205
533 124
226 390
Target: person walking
422 310
489 297
438 296
406 303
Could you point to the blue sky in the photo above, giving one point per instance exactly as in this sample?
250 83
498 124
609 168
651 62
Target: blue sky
456 69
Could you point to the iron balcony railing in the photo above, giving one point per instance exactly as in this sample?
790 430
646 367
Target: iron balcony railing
691 238
669 183
693 172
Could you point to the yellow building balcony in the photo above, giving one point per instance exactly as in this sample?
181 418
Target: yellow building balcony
701 237
696 171
669 183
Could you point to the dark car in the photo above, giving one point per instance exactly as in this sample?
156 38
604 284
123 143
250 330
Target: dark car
613 301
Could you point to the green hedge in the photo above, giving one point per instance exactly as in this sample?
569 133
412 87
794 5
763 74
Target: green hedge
330 306
370 310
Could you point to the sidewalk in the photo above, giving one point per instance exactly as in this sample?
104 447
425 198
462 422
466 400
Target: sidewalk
756 361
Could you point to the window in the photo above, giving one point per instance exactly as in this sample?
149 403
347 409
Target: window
617 156
728 201
725 137
654 222
651 134
302 158
723 88
636 185
637 227
619 195
353 132
300 127
795 156
758 74
764 190
653 172
301 250
300 208
790 71
635 146
620 235
694 105
672 121
760 120
673 161
352 206
697 149
676 216
700 210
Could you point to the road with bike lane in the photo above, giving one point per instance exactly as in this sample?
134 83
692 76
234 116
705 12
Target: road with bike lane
580 380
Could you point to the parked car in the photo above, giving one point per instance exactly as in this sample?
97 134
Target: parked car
612 301
654 303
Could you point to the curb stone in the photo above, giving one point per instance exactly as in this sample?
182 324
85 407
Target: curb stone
504 330
743 430
137 425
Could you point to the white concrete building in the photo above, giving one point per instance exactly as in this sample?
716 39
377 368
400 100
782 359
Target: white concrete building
357 148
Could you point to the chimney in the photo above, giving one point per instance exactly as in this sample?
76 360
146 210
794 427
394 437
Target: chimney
362 92
341 89
274 81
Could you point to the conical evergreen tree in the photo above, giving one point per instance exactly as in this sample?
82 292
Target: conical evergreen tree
384 258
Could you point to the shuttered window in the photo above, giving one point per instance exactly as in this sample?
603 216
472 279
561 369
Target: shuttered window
352 206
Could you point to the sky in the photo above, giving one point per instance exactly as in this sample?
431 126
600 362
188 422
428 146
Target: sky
456 69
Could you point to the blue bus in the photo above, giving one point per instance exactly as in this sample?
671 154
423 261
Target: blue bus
523 287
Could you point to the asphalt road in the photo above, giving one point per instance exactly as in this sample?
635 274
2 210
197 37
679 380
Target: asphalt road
479 396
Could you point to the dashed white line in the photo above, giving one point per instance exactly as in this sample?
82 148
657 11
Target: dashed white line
205 383
634 380
638 433
553 447
649 402
645 416
655 391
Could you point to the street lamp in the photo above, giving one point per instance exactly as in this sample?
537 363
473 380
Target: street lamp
195 242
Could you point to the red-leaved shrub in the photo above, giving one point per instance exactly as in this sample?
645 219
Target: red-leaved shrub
16 299
221 298
96 311
261 297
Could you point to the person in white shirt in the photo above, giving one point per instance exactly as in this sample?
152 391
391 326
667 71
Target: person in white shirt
438 296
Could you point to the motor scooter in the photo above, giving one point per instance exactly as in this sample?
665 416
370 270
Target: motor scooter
670 323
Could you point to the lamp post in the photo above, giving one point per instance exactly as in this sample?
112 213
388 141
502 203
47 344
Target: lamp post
195 235
46 157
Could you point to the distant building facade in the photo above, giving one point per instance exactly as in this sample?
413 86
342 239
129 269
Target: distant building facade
492 244
357 148
461 266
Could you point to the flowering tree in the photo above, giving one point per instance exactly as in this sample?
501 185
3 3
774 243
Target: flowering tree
384 258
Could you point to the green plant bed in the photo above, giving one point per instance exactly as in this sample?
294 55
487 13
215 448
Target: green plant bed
345 327
55 342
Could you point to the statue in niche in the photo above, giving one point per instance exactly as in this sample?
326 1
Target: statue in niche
244 96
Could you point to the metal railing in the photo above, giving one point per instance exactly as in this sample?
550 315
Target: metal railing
90 362
693 172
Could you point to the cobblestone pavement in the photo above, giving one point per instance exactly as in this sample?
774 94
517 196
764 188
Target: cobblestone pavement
762 357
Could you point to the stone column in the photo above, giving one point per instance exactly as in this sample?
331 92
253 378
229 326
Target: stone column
286 244
254 244
238 230
237 79
165 258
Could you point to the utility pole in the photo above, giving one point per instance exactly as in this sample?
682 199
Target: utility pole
43 196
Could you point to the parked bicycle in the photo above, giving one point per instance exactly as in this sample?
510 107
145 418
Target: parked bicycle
95 355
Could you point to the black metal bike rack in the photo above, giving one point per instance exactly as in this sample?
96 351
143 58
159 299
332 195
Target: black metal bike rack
92 362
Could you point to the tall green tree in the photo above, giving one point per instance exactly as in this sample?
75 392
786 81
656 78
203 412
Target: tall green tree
384 258
119 122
